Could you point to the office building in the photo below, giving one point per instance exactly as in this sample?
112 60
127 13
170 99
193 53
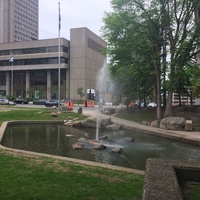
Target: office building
34 70
18 20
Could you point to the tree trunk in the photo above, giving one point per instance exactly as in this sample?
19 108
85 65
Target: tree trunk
158 109
168 110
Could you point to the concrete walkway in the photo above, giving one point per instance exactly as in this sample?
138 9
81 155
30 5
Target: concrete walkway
184 136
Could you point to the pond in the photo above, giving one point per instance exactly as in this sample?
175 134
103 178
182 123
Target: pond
56 139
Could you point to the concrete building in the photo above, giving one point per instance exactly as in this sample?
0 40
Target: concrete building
34 70
18 20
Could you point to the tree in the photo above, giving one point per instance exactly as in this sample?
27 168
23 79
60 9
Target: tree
129 68
80 93
161 37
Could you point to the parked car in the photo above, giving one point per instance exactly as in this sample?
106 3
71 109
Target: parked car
51 102
21 101
11 103
152 104
4 101
40 102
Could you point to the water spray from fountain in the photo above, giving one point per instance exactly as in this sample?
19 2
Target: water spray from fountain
102 88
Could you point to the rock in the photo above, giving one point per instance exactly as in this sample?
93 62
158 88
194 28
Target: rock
78 145
77 124
105 122
155 123
99 146
114 127
117 150
109 111
53 114
69 118
172 123
68 123
104 137
91 123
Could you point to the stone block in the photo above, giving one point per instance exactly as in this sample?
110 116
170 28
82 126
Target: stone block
188 125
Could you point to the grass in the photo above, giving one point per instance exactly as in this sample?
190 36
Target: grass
36 114
25 177
137 115
191 191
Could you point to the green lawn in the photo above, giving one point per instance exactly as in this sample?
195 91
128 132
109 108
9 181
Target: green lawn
24 177
35 114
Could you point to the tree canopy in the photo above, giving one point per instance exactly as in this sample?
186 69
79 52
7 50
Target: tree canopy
150 45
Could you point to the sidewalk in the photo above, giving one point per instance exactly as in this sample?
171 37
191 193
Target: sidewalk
183 136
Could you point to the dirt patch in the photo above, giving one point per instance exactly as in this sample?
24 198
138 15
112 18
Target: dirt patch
6 109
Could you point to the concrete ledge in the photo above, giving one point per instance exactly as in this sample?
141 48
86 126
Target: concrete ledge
163 178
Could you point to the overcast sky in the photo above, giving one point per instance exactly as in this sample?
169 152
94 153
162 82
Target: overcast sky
74 14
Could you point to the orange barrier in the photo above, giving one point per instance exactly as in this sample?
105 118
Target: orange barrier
90 103
131 104
70 104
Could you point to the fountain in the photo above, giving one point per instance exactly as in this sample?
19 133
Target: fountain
103 81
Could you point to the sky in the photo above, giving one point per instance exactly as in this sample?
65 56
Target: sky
74 14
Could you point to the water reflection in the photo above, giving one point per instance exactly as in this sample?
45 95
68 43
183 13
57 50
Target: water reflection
56 139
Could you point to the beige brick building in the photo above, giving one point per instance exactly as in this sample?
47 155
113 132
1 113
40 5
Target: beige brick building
34 71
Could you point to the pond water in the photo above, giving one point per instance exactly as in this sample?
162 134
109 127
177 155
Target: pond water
56 139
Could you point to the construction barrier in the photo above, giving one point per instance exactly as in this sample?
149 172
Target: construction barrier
90 104
70 104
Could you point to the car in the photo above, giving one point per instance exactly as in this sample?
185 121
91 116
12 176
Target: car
40 102
51 102
152 104
21 101
4 101
11 103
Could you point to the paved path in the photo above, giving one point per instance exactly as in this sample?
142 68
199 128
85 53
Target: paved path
185 136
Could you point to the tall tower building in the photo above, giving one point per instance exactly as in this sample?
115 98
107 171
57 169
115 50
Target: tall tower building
18 20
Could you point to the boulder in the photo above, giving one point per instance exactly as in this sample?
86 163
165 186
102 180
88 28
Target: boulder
109 111
91 123
68 123
105 122
117 150
99 146
104 137
155 123
78 145
172 123
114 127
53 114
77 124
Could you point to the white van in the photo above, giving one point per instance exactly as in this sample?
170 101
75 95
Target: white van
4 101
